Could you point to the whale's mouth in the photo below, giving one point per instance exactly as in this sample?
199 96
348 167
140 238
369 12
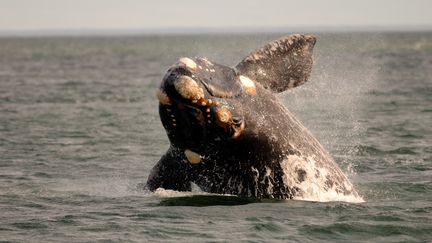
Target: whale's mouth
194 104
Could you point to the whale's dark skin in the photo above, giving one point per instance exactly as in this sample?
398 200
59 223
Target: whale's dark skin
229 134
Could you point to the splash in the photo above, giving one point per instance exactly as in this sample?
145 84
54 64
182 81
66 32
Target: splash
332 103
166 193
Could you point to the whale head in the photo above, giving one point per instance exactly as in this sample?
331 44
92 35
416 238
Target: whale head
202 103
198 103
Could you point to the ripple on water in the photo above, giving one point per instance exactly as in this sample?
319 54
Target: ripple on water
67 220
267 227
365 150
29 225
101 227
371 231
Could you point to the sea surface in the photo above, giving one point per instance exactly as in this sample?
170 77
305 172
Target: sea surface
80 131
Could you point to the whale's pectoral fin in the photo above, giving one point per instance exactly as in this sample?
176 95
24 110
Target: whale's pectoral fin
169 173
281 64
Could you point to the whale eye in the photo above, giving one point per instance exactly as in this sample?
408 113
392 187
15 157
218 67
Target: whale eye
236 120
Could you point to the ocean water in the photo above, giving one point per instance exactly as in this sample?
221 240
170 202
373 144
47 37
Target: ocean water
79 133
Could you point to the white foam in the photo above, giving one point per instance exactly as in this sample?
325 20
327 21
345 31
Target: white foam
165 193
331 196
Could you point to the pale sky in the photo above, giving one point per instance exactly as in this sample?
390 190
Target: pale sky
21 15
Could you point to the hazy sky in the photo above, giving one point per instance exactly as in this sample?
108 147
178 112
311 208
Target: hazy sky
161 14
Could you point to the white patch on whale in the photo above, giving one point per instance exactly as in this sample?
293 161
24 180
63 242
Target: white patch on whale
192 157
247 84
163 97
314 181
188 63
188 88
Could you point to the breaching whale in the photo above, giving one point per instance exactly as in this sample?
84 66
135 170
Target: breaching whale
229 134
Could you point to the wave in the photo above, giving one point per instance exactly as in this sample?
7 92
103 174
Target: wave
364 150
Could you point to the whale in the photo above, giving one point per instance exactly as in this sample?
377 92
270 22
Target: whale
229 133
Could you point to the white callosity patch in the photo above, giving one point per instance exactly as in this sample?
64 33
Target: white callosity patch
188 63
312 180
192 157
223 115
188 88
163 97
247 84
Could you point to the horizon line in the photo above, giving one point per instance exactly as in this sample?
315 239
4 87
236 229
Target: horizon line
208 30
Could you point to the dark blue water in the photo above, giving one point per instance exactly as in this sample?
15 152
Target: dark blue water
79 133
